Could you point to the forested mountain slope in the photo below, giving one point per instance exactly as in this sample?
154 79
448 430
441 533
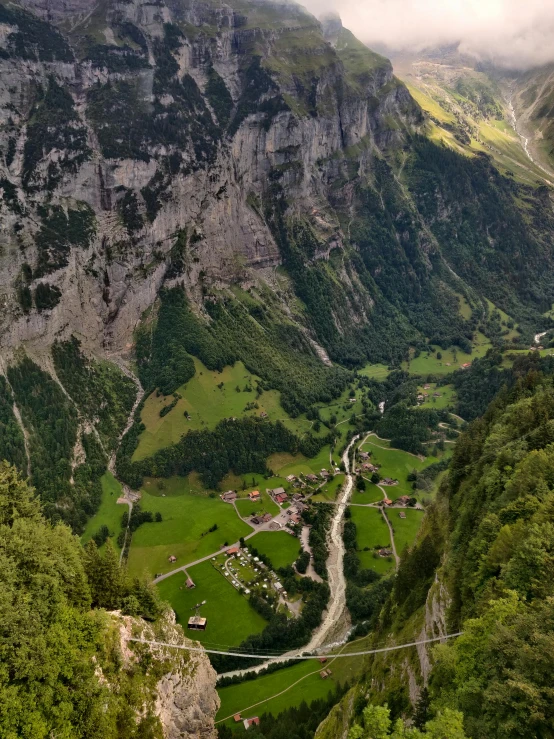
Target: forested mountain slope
67 669
482 565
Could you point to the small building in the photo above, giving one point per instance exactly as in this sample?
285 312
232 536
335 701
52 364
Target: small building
401 514
263 414
232 551
190 585
266 518
322 660
363 456
254 495
385 552
311 478
197 623
237 718
278 587
280 497
323 674
279 491
229 496
290 478
248 722
172 558
466 365
387 501
403 500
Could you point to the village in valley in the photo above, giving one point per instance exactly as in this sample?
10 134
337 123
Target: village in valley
231 560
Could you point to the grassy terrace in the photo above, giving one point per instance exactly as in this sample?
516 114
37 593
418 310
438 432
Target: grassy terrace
281 548
396 464
428 363
239 619
371 532
404 529
447 396
184 530
375 371
208 398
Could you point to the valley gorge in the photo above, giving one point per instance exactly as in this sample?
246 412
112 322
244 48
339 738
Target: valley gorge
240 248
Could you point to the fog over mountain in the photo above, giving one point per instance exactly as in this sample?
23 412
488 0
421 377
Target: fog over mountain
510 33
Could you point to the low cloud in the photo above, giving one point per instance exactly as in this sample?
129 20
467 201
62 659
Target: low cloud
511 33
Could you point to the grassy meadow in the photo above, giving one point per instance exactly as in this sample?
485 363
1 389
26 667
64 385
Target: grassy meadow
184 530
330 490
208 398
371 532
451 359
396 464
405 529
447 396
371 494
247 507
229 624
301 682
281 548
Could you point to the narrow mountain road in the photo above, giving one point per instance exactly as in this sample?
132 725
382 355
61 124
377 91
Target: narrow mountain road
393 545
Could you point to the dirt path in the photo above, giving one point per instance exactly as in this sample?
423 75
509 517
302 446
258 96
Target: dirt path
393 545
386 448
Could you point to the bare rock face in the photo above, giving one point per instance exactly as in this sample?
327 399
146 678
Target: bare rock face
186 704
137 122
185 699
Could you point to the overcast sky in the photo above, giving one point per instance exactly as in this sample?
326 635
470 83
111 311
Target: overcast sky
518 33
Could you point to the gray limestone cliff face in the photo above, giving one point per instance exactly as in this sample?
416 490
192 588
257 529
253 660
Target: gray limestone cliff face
184 698
157 121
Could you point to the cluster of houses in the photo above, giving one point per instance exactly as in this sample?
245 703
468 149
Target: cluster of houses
259 520
279 495
312 479
422 397
403 500
366 465
247 722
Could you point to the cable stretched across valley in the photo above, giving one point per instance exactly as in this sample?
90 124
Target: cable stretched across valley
299 656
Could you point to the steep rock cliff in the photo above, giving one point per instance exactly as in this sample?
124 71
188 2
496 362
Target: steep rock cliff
130 122
183 695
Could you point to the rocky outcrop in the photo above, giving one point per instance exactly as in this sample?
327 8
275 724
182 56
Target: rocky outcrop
184 698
